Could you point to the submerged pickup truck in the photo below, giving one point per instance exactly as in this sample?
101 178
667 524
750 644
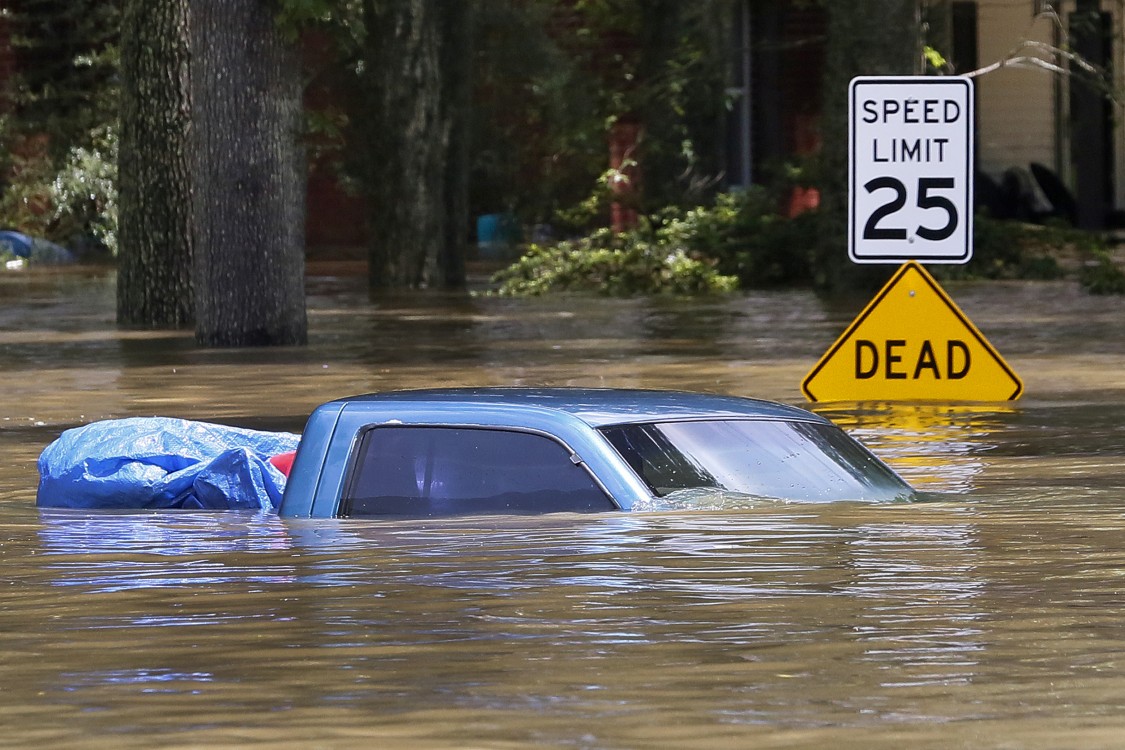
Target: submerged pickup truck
535 450
460 451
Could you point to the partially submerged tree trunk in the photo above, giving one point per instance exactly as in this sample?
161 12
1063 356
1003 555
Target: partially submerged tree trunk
414 90
249 177
154 280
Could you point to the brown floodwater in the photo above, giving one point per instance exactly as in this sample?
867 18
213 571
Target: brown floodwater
991 617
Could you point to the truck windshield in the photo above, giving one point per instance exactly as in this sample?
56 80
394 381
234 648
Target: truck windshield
793 460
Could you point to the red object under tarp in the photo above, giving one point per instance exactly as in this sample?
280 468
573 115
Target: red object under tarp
283 462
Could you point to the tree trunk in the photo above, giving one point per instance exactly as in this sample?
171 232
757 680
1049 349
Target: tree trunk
154 280
249 177
458 32
412 130
1091 116
870 38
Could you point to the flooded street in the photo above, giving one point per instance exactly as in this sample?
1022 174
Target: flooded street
992 617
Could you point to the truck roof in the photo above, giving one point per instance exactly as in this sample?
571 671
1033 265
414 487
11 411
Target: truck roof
594 406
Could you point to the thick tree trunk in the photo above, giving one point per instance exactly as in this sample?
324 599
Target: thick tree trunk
154 281
870 38
249 177
414 91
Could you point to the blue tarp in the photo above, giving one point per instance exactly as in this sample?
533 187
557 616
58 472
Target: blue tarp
160 462
17 243
34 249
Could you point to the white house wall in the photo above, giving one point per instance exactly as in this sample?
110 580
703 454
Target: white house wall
1022 107
1017 104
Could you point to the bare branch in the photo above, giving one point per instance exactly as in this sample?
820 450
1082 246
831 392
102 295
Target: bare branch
1036 55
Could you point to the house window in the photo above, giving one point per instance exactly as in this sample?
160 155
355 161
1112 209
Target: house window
441 471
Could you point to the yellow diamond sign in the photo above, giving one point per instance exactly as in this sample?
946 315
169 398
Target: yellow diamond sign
912 343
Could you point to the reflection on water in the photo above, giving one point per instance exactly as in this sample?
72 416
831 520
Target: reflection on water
991 617
934 447
519 627
168 548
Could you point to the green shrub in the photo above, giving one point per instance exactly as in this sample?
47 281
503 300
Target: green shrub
74 205
740 240
84 194
1004 249
744 240
747 237
1101 276
613 264
1016 250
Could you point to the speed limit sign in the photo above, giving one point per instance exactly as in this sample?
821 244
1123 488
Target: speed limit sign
911 170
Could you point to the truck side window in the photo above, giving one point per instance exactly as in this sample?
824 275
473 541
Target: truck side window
440 471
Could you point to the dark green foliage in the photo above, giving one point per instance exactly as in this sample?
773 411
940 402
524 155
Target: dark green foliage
740 240
538 139
679 96
743 240
84 197
552 79
747 237
66 61
74 202
638 262
59 141
1102 276
1014 250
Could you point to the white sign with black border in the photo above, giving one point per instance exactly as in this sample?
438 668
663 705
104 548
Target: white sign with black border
910 169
